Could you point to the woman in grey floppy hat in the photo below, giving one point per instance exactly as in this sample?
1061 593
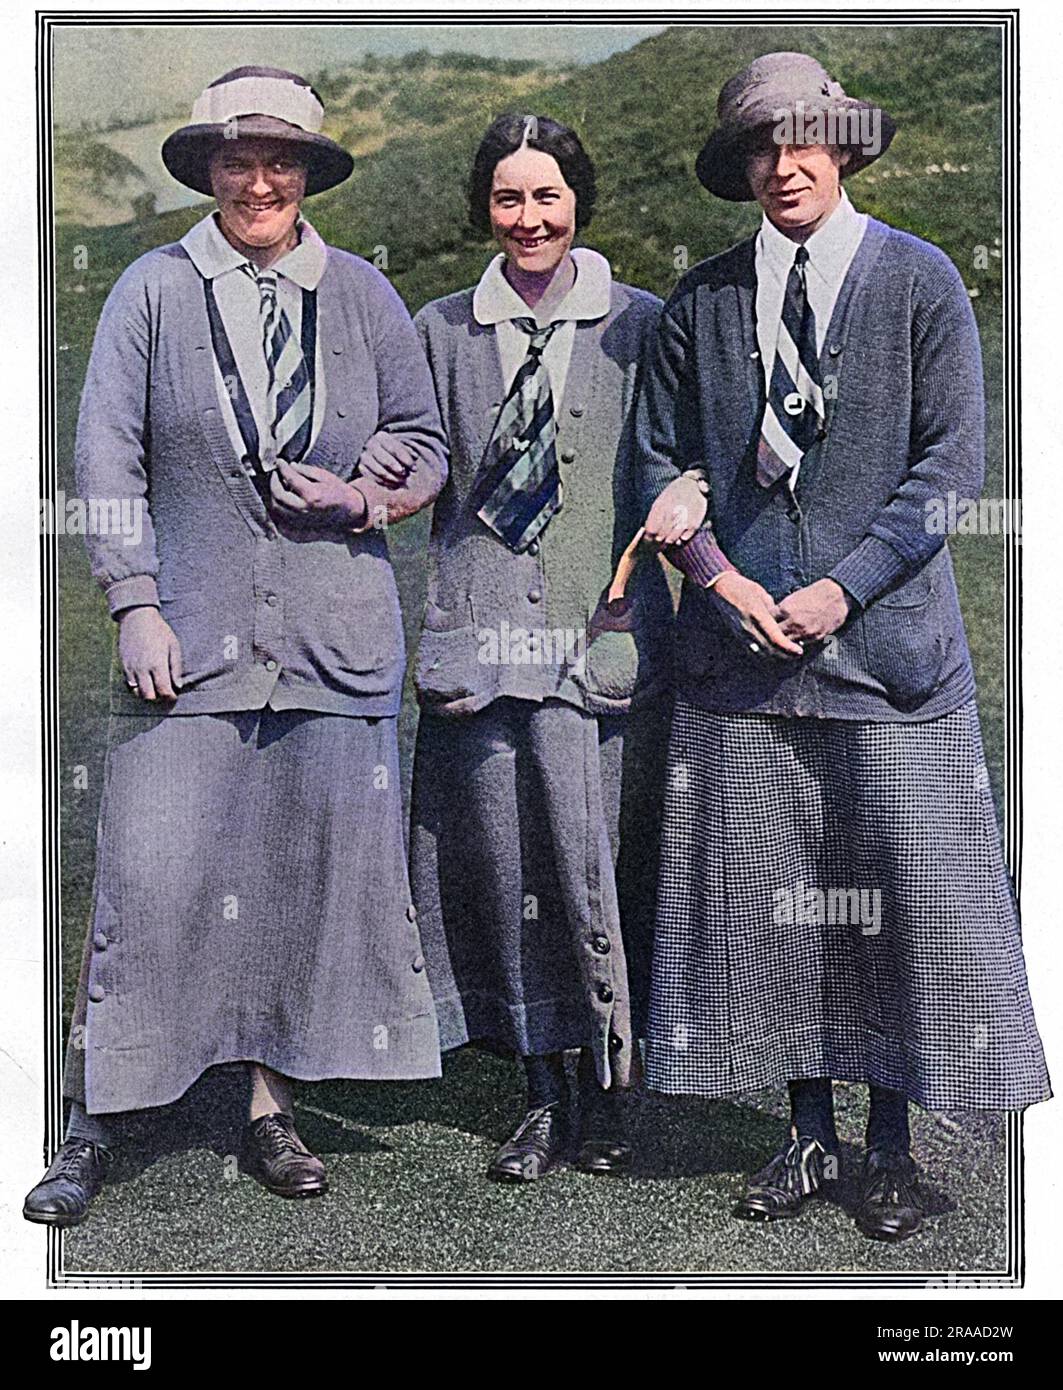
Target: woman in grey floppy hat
787 93
262 400
833 898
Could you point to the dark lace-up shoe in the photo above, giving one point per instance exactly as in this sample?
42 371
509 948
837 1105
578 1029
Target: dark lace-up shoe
784 1185
536 1146
891 1205
276 1156
607 1123
64 1194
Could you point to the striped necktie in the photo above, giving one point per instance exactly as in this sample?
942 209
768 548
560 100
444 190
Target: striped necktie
288 393
793 412
521 490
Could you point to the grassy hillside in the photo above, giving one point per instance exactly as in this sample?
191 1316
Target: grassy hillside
643 114
96 185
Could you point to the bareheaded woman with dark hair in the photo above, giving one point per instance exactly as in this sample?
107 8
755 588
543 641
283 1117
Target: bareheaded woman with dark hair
544 711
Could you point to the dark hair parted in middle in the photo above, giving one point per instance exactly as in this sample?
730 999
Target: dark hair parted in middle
504 136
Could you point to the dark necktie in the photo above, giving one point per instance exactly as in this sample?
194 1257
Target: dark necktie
793 412
521 489
288 395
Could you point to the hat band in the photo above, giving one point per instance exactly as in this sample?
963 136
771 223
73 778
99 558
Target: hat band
260 96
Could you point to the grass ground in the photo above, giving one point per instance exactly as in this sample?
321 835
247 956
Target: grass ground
406 1166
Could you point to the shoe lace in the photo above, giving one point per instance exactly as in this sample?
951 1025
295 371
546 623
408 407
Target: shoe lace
277 1135
796 1169
536 1124
894 1183
75 1156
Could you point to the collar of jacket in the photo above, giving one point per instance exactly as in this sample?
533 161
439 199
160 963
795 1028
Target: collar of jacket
494 300
828 247
213 255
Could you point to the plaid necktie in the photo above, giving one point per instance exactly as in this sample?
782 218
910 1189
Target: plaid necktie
793 413
288 394
521 490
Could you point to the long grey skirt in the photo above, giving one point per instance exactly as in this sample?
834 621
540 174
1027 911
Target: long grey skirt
834 902
534 862
251 903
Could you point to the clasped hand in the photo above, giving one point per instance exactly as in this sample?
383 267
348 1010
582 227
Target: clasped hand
305 493
780 629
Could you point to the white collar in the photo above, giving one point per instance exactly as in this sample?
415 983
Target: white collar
495 300
212 255
830 247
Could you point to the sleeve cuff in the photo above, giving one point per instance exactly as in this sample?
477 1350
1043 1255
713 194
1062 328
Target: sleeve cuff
869 570
701 559
138 591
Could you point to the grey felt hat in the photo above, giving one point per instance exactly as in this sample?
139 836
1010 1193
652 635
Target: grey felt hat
776 86
262 103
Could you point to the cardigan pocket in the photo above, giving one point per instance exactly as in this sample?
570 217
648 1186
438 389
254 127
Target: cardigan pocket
437 619
206 651
904 646
452 663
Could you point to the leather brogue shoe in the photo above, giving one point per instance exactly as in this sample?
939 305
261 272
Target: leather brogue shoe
781 1188
891 1206
276 1156
535 1147
605 1132
63 1196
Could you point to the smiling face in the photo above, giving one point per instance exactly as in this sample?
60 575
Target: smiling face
533 210
798 186
258 185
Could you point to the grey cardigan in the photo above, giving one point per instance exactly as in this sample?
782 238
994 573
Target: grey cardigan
479 591
298 619
904 426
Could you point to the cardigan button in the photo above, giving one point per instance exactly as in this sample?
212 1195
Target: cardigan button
834 349
601 945
411 913
535 596
341 411
418 965
534 548
271 665
100 941
97 994
616 1044
568 456
576 410
605 993
754 355
337 348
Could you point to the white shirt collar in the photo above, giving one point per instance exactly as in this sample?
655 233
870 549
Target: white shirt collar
212 255
830 247
495 300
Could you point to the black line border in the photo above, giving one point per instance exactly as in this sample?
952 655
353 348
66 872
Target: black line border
47 22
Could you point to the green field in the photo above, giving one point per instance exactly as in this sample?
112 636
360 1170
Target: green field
414 125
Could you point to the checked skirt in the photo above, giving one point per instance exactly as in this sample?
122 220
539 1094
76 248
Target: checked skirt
772 960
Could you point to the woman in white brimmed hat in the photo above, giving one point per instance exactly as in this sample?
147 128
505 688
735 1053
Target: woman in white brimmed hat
262 398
